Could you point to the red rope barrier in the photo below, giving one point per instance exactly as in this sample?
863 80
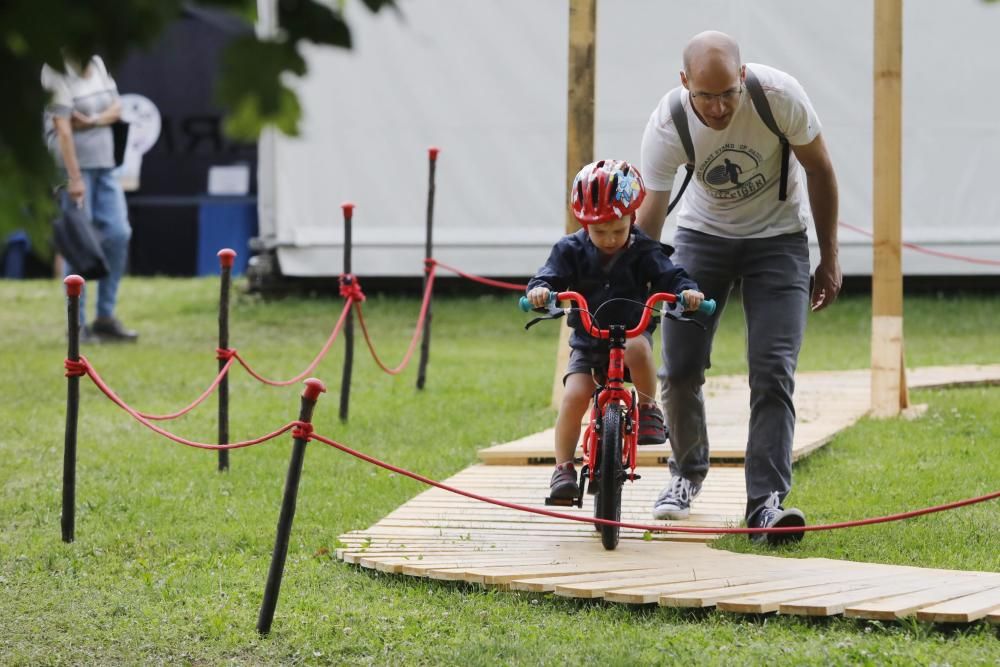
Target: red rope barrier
350 288
421 318
928 251
652 528
205 394
312 365
478 279
92 373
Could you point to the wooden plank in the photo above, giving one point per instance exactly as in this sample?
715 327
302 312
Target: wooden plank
766 602
650 594
707 569
900 606
548 584
964 609
994 616
831 605
708 598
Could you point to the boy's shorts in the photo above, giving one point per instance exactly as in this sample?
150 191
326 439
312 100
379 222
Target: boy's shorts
595 362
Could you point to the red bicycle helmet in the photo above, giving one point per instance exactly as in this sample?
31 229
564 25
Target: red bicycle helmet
606 190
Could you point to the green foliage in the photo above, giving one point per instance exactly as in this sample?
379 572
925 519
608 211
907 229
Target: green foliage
35 32
171 557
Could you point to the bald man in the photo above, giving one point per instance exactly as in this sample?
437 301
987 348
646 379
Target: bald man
732 228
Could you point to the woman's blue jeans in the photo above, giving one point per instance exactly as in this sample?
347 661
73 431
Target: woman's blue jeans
105 205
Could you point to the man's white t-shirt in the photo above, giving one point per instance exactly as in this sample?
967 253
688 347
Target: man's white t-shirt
734 190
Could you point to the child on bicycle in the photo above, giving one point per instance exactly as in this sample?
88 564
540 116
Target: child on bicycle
615 266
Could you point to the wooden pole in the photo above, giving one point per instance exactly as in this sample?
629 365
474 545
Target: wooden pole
889 392
579 131
227 257
74 288
345 378
425 343
310 395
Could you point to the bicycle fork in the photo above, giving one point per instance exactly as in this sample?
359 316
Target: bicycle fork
612 396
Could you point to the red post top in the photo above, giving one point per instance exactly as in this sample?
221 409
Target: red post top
348 207
433 153
226 257
314 387
74 285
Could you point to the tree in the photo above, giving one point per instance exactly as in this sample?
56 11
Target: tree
35 32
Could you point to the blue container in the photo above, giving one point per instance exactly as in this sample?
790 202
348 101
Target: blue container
15 252
225 224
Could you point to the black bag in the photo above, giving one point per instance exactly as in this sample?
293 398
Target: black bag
77 241
119 135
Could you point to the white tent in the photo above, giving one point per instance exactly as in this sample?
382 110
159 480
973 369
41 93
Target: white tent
486 82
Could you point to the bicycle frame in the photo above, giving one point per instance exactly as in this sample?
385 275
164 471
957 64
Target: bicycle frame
613 392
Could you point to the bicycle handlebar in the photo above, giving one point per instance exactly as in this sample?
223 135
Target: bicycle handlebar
707 307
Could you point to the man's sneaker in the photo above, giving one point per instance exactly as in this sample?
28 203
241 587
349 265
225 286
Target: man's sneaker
652 430
563 484
111 329
773 515
674 501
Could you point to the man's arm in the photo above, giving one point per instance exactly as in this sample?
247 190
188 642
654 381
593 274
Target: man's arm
822 185
652 212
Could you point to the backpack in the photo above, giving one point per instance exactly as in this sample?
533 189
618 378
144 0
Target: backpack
763 109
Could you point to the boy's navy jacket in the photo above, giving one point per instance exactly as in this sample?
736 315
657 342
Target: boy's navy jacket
644 267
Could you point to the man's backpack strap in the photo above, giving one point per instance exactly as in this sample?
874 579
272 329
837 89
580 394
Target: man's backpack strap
764 111
679 116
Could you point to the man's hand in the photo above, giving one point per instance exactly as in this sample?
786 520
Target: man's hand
692 299
826 284
539 297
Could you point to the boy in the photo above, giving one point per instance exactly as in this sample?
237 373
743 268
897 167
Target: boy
609 262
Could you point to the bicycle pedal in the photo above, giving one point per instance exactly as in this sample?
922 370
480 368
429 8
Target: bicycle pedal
561 502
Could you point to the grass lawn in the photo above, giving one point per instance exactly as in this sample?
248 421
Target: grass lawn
171 557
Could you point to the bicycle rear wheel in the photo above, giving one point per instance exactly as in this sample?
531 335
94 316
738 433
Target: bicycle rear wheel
608 502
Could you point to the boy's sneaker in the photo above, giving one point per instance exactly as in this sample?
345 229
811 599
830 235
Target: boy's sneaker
563 484
652 430
773 515
111 329
674 501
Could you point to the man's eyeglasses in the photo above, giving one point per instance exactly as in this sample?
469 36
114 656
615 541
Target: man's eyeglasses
726 97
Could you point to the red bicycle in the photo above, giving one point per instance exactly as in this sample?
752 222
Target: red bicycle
609 444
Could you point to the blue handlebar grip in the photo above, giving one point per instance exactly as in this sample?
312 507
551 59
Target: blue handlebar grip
707 306
526 306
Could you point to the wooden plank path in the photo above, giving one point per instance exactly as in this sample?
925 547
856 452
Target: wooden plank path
820 416
440 535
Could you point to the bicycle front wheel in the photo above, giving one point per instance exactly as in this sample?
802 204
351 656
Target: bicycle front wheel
608 502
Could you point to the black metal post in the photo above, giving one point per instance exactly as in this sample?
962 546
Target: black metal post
345 380
309 396
226 257
74 287
425 343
